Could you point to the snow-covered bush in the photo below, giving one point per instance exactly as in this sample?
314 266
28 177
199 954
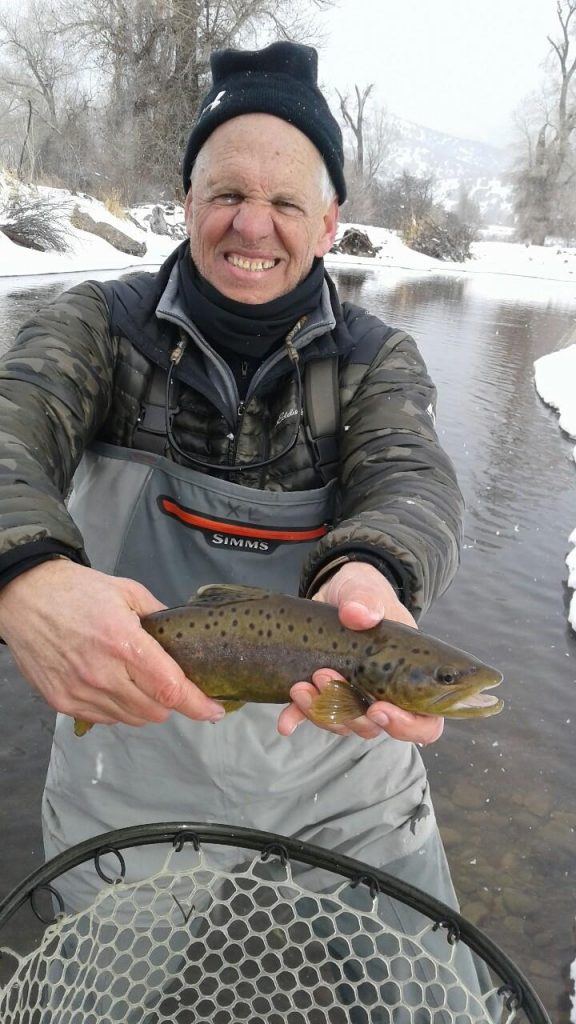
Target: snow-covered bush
442 235
33 219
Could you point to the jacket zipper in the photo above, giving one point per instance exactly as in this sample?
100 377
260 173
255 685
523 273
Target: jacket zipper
307 333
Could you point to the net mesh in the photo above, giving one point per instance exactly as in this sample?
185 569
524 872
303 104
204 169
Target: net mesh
206 944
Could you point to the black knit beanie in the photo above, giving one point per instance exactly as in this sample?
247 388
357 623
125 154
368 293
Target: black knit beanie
281 80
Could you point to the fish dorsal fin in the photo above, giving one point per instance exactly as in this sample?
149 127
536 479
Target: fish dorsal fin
214 594
337 703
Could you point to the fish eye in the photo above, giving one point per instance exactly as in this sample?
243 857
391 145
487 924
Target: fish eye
446 675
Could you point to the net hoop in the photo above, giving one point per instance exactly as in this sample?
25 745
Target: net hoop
516 991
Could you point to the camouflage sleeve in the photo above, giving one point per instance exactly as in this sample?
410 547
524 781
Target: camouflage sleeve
399 504
55 388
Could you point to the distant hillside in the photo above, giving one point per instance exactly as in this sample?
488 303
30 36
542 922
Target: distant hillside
422 151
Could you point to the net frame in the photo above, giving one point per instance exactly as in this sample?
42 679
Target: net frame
516 991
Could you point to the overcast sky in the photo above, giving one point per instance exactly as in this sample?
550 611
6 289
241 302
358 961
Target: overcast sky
460 66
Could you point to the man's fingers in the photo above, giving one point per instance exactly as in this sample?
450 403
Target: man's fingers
158 677
363 597
405 725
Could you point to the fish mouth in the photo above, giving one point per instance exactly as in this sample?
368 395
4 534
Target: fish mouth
471 702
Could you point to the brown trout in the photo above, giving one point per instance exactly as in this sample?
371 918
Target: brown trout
244 644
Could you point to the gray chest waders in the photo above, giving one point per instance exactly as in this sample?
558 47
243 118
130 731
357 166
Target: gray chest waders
174 529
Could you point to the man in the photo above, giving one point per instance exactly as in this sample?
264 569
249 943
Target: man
185 402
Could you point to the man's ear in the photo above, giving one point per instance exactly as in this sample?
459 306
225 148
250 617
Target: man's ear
326 240
188 209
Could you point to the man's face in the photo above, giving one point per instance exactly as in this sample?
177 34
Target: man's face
255 212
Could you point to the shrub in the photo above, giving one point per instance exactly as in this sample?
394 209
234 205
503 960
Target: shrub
440 234
34 221
115 207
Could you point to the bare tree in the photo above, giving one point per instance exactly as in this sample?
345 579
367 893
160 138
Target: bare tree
545 177
372 136
39 85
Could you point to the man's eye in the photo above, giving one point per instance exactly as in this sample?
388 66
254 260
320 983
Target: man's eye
287 205
228 198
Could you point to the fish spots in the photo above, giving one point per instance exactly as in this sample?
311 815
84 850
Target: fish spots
305 638
290 627
234 622
334 645
161 630
179 635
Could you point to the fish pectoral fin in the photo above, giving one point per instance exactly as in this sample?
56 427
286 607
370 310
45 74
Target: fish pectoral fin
224 593
338 702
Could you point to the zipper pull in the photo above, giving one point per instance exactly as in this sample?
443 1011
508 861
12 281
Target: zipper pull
178 351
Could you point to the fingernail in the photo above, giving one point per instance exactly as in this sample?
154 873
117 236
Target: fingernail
369 613
217 715
381 719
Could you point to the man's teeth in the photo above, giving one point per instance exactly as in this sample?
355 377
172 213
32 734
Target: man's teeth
244 264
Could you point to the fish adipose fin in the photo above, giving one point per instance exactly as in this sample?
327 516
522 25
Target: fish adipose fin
222 593
338 702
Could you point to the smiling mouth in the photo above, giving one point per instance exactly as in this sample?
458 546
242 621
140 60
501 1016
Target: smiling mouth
243 263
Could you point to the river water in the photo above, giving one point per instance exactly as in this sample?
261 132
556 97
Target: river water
503 787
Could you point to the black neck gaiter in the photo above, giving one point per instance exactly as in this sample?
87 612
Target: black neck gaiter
252 331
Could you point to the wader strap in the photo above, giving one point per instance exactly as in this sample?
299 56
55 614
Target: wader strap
322 414
150 433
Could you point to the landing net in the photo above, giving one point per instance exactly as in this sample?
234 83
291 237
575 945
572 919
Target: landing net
219 935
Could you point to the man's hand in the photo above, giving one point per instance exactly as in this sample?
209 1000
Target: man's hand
363 597
75 634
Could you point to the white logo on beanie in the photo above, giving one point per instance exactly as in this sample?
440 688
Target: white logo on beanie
215 103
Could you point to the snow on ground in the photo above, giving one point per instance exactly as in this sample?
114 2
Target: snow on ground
87 252
503 258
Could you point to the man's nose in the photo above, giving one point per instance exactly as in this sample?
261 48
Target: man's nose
253 220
